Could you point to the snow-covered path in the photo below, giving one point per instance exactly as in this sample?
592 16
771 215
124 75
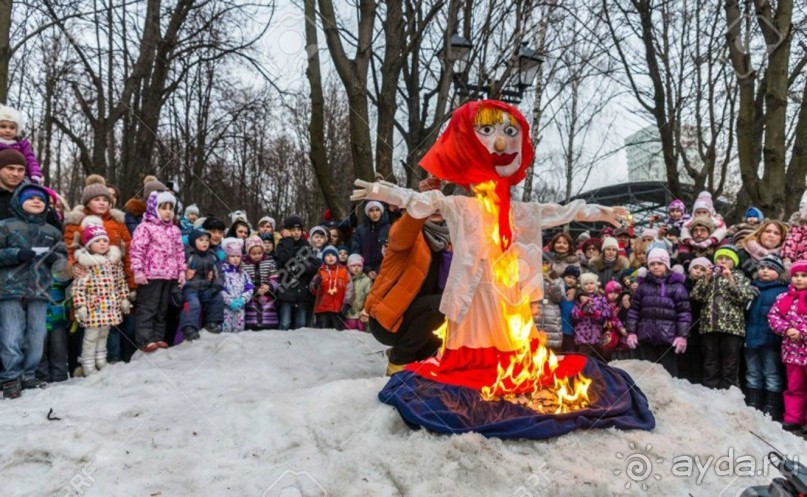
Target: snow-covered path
273 413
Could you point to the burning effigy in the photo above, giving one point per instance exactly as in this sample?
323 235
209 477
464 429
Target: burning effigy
494 375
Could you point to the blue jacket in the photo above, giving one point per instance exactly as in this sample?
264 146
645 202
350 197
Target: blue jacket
758 333
566 307
33 279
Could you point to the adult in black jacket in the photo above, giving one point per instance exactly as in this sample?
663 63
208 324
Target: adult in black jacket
297 265
369 238
12 175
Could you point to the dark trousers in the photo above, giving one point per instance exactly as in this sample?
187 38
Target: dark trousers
120 344
721 359
53 366
661 354
330 320
415 339
208 303
690 363
568 344
151 310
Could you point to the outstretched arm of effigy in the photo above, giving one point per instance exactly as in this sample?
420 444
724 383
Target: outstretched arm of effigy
418 205
577 210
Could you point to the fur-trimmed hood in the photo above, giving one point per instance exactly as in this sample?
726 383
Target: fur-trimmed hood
796 219
86 259
598 263
79 212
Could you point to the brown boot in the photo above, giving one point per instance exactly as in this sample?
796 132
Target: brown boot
394 368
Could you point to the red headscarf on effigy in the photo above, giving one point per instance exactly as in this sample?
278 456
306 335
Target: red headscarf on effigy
459 157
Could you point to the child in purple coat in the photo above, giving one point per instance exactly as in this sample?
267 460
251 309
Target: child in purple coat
788 318
591 312
11 125
659 317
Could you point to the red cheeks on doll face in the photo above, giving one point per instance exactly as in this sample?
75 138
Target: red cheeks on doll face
503 142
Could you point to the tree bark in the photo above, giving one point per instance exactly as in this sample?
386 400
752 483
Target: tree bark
316 127
762 117
5 46
353 73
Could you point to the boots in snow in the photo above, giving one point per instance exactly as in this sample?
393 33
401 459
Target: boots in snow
213 328
190 333
755 398
12 389
774 405
33 383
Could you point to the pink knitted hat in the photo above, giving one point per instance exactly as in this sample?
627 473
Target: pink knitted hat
658 255
798 267
253 242
93 233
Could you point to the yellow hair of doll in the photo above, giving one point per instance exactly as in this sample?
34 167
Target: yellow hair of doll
487 116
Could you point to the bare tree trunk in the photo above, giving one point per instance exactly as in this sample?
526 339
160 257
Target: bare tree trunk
5 46
394 41
762 119
316 127
353 73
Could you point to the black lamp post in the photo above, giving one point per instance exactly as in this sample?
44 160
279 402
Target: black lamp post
458 54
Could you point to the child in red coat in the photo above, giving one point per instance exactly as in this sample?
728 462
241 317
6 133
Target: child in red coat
333 290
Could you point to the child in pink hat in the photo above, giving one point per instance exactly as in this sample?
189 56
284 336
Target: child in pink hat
100 296
788 318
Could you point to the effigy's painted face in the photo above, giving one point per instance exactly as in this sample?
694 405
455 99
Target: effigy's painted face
500 133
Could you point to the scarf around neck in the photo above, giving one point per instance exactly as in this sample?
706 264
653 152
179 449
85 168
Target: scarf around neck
437 236
757 251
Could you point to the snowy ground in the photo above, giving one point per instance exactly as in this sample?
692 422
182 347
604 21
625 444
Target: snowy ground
273 413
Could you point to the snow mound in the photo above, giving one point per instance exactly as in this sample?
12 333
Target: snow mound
295 413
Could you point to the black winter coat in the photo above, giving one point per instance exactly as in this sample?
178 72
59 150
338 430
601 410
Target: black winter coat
297 265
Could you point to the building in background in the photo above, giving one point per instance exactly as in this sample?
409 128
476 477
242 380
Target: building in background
645 158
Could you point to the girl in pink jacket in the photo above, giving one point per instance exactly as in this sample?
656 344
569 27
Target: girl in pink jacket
788 318
158 263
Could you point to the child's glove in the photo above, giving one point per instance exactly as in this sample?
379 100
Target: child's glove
236 305
50 258
181 278
132 296
633 341
141 279
680 344
82 314
36 179
125 306
25 255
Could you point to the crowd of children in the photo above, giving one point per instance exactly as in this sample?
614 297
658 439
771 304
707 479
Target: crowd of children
721 306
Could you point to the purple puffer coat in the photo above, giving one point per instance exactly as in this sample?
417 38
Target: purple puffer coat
659 310
32 168
589 319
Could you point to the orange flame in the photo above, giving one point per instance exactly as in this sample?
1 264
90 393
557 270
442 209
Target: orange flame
530 370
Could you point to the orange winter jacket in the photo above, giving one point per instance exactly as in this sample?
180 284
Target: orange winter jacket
401 275
336 278
115 227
